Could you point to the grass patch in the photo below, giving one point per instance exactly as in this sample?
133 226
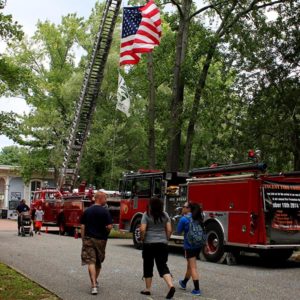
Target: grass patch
14 285
115 234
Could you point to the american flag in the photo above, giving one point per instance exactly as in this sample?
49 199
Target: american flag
141 32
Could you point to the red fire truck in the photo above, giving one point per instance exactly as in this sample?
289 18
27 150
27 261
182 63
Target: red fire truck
136 189
64 209
245 209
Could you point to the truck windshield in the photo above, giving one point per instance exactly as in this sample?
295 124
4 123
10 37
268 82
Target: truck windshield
143 187
37 196
49 197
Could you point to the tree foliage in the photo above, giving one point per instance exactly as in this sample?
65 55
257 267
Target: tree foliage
237 82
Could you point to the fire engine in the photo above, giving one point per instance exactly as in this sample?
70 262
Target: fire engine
64 209
136 189
245 209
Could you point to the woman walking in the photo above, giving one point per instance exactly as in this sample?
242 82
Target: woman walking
191 212
155 232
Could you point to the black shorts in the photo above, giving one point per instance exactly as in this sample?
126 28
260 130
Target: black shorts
189 253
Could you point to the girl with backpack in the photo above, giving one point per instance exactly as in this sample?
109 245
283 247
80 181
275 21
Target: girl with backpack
191 223
155 232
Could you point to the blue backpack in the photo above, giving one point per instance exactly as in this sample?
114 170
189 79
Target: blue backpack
196 235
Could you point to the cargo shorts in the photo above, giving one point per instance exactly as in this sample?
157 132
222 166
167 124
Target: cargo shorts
93 251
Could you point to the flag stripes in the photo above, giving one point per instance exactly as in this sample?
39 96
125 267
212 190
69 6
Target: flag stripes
141 32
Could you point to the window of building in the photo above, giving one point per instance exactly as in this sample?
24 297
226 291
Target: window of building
34 186
2 191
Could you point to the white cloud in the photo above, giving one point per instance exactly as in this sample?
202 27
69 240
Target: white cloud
16 105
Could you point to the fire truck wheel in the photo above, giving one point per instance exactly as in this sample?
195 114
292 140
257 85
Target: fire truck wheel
214 248
136 236
275 255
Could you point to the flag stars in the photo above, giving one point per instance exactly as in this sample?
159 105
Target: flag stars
139 38
132 19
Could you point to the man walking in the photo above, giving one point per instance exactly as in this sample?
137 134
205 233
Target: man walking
21 208
96 224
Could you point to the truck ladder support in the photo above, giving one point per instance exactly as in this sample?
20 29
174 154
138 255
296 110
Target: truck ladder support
87 101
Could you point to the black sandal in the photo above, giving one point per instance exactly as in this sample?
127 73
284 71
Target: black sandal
147 293
171 293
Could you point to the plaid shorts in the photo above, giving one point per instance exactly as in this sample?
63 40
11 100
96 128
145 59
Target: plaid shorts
93 251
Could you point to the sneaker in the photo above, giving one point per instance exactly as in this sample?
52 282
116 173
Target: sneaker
182 284
94 291
196 292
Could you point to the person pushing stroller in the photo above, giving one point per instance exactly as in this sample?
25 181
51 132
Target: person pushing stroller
21 209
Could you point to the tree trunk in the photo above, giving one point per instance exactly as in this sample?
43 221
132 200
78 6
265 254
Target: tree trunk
151 113
224 28
194 113
296 143
174 138
56 175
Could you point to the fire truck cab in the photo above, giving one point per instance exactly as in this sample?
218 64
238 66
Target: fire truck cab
136 189
247 210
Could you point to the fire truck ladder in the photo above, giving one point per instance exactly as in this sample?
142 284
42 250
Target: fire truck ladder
87 101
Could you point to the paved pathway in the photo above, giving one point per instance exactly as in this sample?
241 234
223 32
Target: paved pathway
54 262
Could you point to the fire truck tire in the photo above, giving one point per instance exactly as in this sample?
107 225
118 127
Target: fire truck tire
276 255
136 234
214 248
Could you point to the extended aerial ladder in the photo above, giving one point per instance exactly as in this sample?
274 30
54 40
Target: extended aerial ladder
87 101
2 3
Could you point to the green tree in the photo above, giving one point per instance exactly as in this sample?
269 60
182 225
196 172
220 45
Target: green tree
272 95
11 155
10 73
49 61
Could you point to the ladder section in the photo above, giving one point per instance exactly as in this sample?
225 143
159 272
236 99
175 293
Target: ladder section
87 101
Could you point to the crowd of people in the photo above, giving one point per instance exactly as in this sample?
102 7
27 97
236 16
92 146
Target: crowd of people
156 230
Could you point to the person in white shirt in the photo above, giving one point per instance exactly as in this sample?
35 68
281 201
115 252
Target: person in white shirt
38 219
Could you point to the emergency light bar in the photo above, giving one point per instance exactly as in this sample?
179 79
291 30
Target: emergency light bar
227 169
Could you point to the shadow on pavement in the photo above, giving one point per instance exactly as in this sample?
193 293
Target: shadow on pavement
257 262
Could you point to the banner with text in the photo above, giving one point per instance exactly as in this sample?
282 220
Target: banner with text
283 200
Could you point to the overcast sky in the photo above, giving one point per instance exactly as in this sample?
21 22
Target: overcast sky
27 13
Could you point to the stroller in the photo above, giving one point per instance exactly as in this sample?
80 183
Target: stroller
25 224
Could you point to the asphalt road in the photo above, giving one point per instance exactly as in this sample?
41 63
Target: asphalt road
54 262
